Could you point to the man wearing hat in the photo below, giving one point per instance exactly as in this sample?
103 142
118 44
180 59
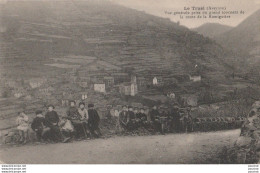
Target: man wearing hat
123 116
131 125
154 115
175 117
141 117
52 120
93 121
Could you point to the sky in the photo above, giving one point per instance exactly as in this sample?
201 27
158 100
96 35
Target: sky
158 8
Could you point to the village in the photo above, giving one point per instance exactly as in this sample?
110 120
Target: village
110 88
79 84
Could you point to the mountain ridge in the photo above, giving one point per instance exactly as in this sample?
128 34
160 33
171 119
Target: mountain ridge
244 38
212 30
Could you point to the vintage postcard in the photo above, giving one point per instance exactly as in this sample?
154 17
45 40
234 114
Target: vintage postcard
129 81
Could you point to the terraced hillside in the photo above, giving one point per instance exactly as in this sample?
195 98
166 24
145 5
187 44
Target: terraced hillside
38 32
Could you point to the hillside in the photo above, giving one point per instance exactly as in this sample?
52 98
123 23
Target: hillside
69 42
245 38
212 30
116 36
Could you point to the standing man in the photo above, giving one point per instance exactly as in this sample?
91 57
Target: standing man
118 128
141 117
123 118
108 112
93 121
131 125
155 118
52 120
176 116
189 120
136 111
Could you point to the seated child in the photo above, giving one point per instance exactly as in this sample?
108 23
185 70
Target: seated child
23 126
67 128
39 125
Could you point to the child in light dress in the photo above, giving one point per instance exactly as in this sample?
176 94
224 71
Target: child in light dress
23 126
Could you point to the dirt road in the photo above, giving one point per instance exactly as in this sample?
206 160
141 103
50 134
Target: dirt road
172 148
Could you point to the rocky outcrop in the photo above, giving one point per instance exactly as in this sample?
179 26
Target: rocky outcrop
246 149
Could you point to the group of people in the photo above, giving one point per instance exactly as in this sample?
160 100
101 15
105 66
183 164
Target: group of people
130 119
79 122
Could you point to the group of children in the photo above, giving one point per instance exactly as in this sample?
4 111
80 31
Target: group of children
77 123
130 119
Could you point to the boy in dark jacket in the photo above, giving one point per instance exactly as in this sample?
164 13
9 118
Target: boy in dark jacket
39 125
93 121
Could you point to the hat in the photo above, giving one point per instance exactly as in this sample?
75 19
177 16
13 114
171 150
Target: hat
252 112
38 112
125 106
90 105
50 105
81 103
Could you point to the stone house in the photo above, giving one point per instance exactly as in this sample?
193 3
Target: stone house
157 80
195 78
46 91
36 83
128 88
141 83
109 81
100 87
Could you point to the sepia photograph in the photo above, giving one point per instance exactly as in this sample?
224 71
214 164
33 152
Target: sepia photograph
129 82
